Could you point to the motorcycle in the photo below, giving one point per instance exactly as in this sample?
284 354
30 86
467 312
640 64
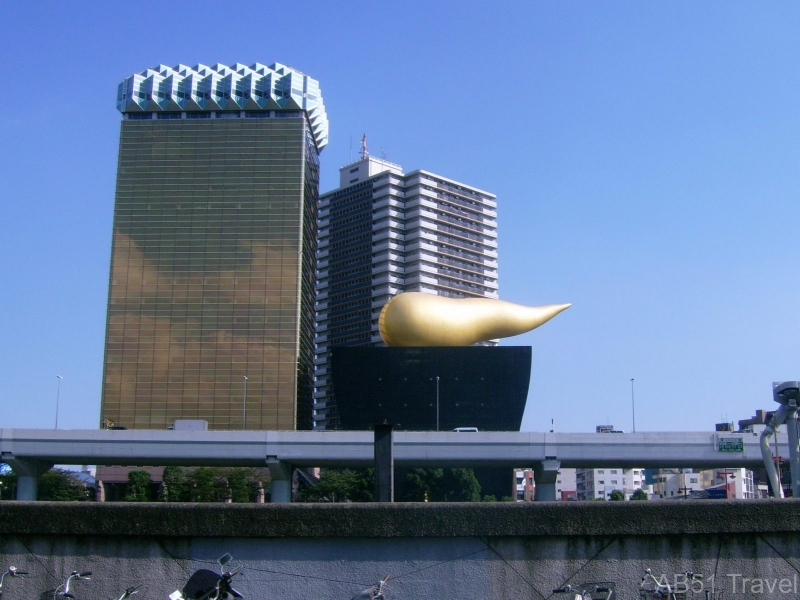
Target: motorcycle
600 590
205 584
374 592
12 572
75 575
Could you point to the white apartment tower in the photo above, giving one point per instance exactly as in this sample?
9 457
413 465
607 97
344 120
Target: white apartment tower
383 232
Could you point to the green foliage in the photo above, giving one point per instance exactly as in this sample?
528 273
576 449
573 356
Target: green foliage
238 485
175 487
8 486
210 484
441 485
493 498
139 487
639 494
58 486
341 485
617 496
202 486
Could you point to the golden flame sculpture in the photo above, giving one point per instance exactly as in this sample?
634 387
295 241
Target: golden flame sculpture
418 319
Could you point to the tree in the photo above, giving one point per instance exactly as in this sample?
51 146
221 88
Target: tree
202 485
175 487
242 483
8 485
341 485
58 486
441 485
139 487
639 494
211 484
459 485
617 496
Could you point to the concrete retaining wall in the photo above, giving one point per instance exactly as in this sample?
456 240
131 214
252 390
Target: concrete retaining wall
459 551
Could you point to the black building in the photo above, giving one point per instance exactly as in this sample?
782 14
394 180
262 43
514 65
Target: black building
475 386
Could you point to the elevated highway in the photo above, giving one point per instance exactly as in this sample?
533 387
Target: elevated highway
32 451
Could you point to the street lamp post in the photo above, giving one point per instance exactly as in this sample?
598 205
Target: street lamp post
633 407
244 402
58 396
437 403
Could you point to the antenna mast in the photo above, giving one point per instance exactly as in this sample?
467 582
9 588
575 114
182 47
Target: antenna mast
364 149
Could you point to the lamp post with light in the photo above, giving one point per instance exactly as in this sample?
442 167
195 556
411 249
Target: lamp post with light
437 403
58 397
244 402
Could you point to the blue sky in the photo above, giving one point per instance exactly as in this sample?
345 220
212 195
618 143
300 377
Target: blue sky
644 155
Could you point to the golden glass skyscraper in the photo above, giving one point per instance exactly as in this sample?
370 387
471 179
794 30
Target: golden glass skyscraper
211 298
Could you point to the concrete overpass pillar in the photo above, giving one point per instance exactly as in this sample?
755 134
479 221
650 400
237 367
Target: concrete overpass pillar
281 474
384 463
545 476
28 472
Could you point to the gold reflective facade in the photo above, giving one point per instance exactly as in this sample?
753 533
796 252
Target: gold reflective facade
417 319
212 274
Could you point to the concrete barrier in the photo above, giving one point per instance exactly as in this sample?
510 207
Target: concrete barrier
464 551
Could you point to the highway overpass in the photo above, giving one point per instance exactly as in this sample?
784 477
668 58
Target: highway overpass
32 451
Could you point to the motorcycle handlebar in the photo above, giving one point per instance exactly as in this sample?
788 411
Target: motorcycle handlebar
21 573
85 574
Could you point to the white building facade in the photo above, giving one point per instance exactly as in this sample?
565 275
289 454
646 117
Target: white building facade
733 482
383 232
597 484
566 484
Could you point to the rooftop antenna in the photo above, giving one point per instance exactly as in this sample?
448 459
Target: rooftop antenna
364 149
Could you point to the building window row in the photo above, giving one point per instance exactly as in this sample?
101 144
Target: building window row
457 242
336 215
336 297
342 263
353 338
334 256
334 331
351 240
349 272
350 283
216 114
349 231
353 304
357 217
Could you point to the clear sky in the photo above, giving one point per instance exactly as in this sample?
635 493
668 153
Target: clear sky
644 155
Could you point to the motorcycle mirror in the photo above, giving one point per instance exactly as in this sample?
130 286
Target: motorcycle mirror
224 560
